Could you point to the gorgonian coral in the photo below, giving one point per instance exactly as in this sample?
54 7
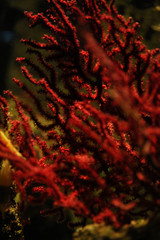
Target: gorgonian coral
95 94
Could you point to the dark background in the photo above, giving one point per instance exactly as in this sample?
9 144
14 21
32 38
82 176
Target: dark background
14 26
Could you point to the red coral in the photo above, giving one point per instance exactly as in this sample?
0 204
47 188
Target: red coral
97 152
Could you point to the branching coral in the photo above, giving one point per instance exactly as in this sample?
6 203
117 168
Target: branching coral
96 95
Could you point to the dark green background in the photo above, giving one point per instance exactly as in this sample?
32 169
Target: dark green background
14 26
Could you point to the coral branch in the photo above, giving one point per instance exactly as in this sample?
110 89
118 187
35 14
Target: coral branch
90 141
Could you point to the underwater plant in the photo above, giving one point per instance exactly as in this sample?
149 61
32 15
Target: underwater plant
85 133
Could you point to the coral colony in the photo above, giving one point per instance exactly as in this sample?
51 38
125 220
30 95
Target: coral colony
87 137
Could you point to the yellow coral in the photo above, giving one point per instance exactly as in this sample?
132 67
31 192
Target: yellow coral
5 174
8 143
